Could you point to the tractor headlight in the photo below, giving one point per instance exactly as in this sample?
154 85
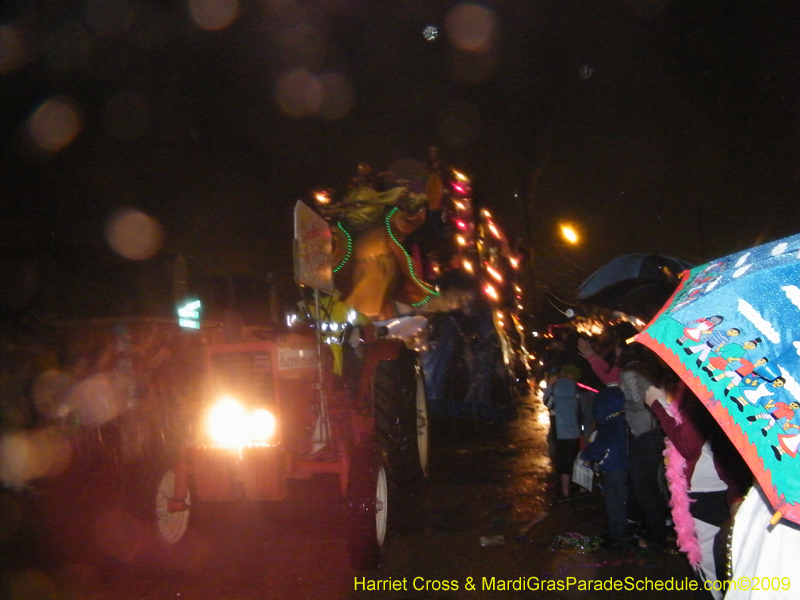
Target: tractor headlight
232 426
262 425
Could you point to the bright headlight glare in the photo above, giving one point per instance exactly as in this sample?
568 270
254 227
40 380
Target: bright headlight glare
262 425
231 426
227 423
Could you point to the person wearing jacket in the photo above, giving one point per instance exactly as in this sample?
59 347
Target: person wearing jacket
705 483
641 370
610 450
562 398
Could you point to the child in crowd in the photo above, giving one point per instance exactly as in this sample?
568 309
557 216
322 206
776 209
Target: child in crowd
610 450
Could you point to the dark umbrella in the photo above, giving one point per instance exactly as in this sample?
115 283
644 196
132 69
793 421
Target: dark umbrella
637 284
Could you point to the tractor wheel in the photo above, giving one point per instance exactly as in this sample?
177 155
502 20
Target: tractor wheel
367 507
164 533
423 424
170 526
401 429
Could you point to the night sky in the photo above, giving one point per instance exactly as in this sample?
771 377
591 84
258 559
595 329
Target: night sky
651 125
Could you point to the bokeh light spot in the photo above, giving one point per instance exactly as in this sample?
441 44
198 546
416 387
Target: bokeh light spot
133 234
213 15
337 96
54 124
27 455
127 116
430 33
95 400
471 27
298 93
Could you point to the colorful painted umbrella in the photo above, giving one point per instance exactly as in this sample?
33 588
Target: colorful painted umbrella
732 332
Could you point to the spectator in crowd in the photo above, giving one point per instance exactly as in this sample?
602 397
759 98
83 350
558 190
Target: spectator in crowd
550 380
562 397
704 473
605 358
642 369
610 450
586 400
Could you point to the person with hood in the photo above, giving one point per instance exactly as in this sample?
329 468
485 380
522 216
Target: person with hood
562 398
610 450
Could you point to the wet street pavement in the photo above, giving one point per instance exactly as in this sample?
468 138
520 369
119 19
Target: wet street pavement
493 480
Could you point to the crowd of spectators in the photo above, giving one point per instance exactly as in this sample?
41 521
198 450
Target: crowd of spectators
618 407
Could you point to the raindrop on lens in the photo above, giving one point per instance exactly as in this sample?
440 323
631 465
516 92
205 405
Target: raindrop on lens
430 33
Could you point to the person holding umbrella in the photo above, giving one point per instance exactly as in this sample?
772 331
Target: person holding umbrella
701 471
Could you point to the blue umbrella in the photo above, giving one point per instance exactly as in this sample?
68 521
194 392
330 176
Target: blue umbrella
732 332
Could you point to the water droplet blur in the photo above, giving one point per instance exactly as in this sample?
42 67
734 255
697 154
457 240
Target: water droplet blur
95 400
430 33
50 392
471 27
213 15
26 455
585 71
127 116
54 124
13 50
133 234
298 93
337 96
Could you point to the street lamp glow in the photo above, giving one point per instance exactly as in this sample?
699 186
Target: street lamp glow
569 234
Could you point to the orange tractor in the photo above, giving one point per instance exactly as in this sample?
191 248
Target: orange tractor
293 406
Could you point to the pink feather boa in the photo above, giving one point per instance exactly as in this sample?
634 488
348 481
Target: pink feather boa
679 500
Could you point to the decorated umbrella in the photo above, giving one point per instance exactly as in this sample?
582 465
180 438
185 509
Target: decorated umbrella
732 332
